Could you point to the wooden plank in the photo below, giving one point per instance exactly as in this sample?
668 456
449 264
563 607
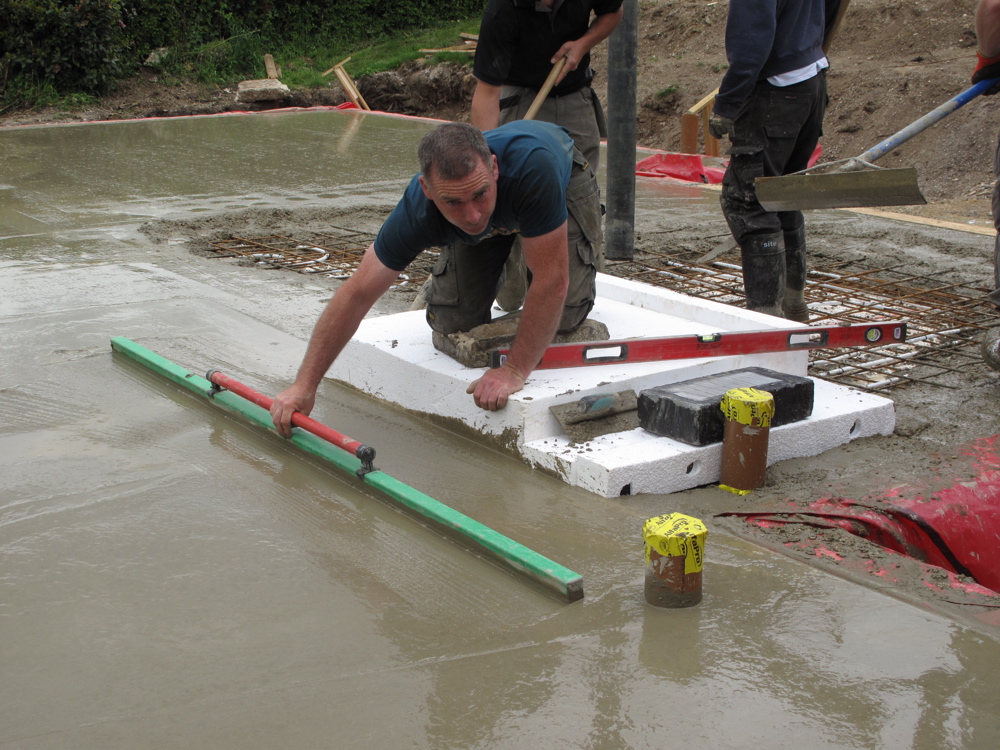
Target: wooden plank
338 65
974 228
711 143
272 69
469 37
455 48
348 85
689 133
709 98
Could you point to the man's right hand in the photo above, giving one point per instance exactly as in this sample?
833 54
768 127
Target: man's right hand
720 126
293 399
491 391
987 67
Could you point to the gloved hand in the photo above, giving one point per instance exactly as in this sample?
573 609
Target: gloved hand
987 67
720 126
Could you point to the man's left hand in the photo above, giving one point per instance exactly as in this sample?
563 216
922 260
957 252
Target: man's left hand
720 126
495 386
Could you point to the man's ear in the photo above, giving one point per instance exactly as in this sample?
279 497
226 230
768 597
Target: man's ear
424 186
496 167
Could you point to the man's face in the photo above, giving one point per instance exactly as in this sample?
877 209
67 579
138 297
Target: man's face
467 202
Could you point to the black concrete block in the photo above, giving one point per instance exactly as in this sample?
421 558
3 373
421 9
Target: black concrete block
689 411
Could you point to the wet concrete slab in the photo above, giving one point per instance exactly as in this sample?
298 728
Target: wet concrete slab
174 578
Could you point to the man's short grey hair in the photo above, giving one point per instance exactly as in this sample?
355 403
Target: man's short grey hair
453 151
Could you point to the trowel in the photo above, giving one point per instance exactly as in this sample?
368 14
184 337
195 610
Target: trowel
857 182
591 415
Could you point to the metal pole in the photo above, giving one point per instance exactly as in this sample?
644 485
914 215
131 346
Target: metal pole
619 225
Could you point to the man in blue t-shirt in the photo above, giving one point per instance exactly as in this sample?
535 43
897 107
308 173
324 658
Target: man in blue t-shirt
475 191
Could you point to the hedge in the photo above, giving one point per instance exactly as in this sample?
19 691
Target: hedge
84 45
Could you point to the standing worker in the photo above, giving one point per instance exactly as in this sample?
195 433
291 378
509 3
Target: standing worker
475 191
519 43
988 66
771 104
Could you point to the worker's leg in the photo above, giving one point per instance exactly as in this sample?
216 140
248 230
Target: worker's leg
463 284
577 113
771 133
995 295
583 201
990 346
792 222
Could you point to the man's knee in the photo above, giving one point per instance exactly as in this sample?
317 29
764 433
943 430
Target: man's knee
445 319
573 316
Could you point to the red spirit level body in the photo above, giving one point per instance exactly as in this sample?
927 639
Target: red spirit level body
695 345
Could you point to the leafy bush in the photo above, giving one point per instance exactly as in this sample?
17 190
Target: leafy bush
66 45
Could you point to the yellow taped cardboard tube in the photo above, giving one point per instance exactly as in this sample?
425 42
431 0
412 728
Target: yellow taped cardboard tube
745 438
675 554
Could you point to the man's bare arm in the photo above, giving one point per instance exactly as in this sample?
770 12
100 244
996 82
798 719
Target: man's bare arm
335 327
575 50
988 27
547 257
485 113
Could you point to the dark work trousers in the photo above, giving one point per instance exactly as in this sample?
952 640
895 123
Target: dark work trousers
465 278
775 133
995 294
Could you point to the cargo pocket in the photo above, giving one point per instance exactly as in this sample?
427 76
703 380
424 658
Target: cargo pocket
583 200
443 288
746 164
786 114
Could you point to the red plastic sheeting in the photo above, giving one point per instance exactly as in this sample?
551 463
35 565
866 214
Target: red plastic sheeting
956 529
691 167
684 167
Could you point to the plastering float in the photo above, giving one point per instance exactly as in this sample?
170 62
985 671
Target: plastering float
356 458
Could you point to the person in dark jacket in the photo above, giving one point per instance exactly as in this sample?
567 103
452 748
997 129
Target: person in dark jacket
771 104
988 66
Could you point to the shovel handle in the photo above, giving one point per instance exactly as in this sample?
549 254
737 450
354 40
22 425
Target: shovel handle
881 149
543 92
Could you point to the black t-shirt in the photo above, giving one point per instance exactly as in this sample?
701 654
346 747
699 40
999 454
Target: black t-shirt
517 41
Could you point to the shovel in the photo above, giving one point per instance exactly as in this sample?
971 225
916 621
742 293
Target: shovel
857 182
543 92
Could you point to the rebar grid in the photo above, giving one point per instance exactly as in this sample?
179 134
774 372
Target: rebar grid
335 254
944 319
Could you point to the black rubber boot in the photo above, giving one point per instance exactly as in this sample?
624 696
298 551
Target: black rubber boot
794 304
764 272
989 347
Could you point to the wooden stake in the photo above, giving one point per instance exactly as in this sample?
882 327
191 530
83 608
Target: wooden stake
272 69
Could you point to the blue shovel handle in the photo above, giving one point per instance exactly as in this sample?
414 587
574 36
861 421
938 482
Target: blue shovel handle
881 149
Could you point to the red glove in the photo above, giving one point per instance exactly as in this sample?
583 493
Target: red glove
987 67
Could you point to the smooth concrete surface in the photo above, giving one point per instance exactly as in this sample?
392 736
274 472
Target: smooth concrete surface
172 578
392 358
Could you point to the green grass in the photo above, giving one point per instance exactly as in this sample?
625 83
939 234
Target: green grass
303 64
23 94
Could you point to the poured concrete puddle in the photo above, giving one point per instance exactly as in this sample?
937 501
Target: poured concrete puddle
173 578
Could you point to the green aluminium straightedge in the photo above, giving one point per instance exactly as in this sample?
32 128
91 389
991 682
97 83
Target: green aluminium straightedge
512 555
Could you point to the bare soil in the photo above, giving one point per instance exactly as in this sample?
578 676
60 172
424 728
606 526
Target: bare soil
893 61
